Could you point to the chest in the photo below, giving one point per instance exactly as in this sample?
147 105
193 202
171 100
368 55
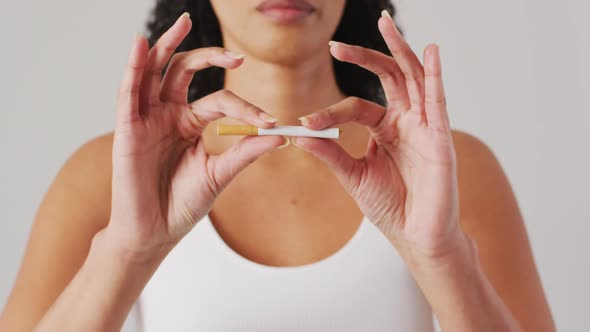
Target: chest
285 217
204 286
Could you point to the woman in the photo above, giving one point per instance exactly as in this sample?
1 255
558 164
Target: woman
316 235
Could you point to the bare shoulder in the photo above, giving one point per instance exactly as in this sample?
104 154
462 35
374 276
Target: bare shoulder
485 193
85 178
472 154
91 164
478 169
75 207
488 209
490 215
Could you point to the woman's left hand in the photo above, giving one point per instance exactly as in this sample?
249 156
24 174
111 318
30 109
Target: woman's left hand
406 184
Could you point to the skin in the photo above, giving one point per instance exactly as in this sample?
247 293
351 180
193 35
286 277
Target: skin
440 196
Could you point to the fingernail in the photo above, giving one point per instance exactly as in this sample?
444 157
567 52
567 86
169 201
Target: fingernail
333 43
234 55
267 118
385 13
286 144
294 142
185 14
304 120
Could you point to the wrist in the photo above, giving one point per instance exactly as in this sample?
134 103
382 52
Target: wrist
120 247
457 250
459 254
102 292
459 292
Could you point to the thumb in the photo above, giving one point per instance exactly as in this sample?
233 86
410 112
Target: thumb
231 162
347 169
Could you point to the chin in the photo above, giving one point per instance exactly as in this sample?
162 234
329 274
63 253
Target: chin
286 54
286 47
279 31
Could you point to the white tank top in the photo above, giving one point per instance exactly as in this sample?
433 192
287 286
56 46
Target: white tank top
204 285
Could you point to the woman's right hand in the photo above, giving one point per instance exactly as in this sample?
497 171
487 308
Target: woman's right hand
164 181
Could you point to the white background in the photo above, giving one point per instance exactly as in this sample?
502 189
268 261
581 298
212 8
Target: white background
516 74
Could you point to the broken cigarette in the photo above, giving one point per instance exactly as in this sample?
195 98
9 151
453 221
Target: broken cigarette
224 129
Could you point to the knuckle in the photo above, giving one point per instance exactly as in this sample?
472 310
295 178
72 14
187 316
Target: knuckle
211 50
354 102
327 114
226 94
127 87
237 160
135 67
436 99
154 72
412 75
212 181
126 90
215 51
361 56
168 47
197 121
391 73
250 108
433 73
406 50
206 53
176 59
420 109
352 179
385 75
180 62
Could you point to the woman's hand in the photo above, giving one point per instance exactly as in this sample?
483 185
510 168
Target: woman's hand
407 182
163 180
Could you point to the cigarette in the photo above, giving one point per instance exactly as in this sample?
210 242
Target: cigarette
224 129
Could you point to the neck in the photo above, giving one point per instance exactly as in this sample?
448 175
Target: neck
287 92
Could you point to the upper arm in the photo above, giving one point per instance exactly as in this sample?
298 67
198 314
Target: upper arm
490 215
73 210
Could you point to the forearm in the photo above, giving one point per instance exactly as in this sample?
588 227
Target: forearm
460 294
101 294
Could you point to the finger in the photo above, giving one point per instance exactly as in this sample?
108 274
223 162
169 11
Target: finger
385 67
220 104
346 168
407 60
226 166
435 100
158 57
184 65
127 99
351 109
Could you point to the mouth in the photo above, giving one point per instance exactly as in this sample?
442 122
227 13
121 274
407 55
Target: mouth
285 11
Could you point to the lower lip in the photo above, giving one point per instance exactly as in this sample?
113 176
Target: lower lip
285 15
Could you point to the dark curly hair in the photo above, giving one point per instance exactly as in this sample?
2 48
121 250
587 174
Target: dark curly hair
358 26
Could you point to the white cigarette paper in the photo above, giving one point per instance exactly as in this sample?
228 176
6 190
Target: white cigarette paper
300 131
